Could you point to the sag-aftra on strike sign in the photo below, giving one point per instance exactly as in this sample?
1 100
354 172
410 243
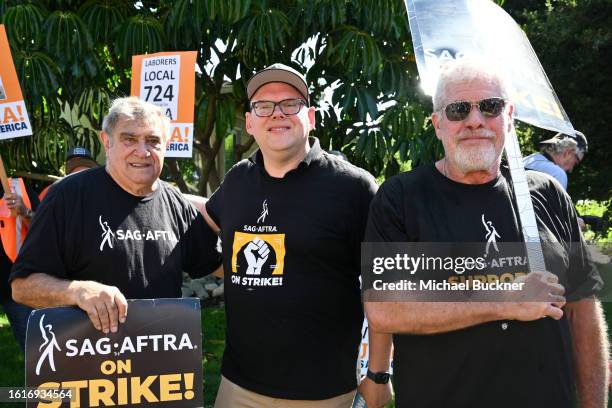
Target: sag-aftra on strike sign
167 79
155 358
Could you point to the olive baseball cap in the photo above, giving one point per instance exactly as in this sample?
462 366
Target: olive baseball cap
278 73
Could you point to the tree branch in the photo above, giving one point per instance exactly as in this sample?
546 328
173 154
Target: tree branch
177 176
241 149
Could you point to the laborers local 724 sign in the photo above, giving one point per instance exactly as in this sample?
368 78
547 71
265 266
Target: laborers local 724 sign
167 79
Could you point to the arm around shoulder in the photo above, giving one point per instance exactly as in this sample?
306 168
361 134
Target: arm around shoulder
199 203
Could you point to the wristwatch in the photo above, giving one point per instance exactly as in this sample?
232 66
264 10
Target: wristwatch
379 378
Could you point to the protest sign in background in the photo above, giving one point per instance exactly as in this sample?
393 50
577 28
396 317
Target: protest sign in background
455 29
167 79
14 120
155 358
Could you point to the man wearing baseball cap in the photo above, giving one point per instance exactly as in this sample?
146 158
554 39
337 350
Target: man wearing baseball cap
291 219
77 159
559 155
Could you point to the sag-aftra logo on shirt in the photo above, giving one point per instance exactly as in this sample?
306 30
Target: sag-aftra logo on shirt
131 235
258 256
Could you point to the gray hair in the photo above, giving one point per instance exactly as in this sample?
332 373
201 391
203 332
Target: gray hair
561 146
132 108
466 70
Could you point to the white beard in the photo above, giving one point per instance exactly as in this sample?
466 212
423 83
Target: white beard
470 159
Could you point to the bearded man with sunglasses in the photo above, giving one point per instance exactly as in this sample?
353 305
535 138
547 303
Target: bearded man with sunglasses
509 350
291 220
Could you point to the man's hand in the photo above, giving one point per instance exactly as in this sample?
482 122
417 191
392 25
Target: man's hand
15 203
541 296
105 305
581 224
375 395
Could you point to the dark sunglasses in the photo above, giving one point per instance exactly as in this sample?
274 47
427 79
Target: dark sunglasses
490 108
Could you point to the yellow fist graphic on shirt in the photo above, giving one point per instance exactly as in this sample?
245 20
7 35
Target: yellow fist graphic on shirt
258 254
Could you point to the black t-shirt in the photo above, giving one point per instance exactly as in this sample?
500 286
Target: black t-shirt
291 257
496 364
89 228
5 262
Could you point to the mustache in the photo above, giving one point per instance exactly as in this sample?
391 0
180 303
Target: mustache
479 133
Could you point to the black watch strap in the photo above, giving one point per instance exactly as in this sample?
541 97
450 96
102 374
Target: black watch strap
379 378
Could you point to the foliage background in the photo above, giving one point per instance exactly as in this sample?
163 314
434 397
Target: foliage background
73 57
573 40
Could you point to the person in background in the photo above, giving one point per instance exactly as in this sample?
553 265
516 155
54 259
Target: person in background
16 212
77 159
559 155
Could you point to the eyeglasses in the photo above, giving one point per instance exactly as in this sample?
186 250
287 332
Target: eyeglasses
287 106
490 108
578 157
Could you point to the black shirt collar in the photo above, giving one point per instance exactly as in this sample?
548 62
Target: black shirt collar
314 154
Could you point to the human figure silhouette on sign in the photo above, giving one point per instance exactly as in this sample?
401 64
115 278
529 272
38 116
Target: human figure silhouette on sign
264 212
491 235
48 345
106 235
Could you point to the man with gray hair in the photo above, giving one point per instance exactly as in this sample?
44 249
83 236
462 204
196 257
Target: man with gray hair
115 232
531 347
559 155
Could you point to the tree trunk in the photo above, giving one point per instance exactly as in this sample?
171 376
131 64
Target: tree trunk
177 175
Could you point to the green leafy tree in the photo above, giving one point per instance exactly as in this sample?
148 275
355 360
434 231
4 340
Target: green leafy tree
73 57
573 41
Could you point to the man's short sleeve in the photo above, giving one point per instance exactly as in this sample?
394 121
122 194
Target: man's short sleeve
213 205
42 250
584 277
202 255
559 227
367 194
385 221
